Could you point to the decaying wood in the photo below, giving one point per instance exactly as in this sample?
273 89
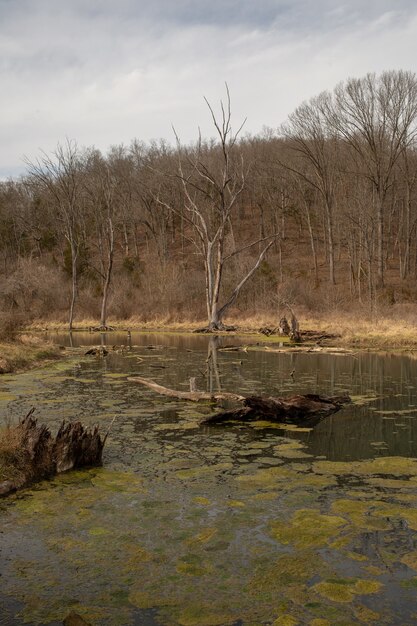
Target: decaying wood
284 327
194 396
265 330
307 409
74 446
97 351
43 456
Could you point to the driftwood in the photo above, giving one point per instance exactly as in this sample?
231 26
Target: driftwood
194 396
42 456
308 409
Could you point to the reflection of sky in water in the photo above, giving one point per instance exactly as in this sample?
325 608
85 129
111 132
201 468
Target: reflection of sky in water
212 525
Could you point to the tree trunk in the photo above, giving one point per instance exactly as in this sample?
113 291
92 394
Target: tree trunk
103 317
74 258
312 243
380 231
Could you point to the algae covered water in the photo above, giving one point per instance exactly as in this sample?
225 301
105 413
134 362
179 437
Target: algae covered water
245 525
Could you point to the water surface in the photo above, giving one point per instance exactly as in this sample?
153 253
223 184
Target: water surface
241 524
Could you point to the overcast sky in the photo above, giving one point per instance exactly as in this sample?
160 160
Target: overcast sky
106 71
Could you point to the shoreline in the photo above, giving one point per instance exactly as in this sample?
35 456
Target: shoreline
30 349
333 332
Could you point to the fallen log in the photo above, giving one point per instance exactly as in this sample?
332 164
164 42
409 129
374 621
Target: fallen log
306 409
193 396
29 453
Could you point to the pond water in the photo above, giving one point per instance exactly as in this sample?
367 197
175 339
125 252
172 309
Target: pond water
240 525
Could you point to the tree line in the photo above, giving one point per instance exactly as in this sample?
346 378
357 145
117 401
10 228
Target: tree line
319 212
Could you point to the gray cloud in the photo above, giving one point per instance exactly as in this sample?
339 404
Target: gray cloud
104 72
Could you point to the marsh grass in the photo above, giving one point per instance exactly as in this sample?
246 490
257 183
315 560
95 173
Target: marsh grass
25 351
393 328
15 464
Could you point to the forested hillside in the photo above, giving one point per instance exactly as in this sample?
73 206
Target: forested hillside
320 213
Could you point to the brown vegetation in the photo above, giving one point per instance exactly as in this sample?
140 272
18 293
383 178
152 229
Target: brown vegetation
29 453
21 351
171 233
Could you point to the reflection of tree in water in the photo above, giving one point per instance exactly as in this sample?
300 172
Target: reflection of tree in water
213 373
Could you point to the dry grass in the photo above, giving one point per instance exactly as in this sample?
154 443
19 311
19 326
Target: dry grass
392 328
381 332
14 464
25 351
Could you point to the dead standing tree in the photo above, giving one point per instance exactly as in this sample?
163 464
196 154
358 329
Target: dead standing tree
212 181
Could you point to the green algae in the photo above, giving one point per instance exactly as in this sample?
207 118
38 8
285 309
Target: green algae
197 472
115 375
203 536
366 615
191 567
201 500
346 590
283 477
117 481
362 514
292 450
410 560
307 529
361 400
389 466
188 534
285 620
6 397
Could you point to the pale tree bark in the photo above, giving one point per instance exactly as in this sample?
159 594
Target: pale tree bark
212 181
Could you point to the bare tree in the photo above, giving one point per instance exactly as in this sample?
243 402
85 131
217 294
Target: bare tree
376 116
310 138
61 176
212 179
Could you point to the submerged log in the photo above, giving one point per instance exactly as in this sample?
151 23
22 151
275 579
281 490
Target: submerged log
306 409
